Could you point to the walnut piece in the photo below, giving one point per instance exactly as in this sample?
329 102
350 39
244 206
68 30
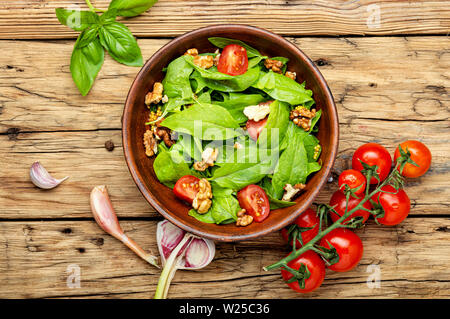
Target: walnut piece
257 112
204 61
273 65
163 133
151 146
243 219
155 96
302 117
191 52
291 75
202 200
209 156
291 191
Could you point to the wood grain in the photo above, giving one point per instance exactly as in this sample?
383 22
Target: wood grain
34 256
389 78
19 19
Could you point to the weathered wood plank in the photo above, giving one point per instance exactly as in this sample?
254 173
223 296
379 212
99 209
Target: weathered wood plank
391 78
82 155
19 19
34 256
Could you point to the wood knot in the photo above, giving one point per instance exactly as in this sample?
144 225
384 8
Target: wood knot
321 62
12 133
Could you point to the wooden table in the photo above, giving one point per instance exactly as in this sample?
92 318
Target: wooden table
390 82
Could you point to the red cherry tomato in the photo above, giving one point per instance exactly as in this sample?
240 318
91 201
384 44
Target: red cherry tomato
339 201
315 266
233 60
307 219
255 128
255 201
420 154
396 206
373 154
348 246
186 188
353 179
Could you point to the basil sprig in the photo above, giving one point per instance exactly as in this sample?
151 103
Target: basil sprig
99 33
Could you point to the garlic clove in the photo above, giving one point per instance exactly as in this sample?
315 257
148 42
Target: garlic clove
168 236
42 178
199 253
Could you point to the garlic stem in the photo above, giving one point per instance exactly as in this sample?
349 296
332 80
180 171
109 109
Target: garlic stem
106 218
170 268
42 178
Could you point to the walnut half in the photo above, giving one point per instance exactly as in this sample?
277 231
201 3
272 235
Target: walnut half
202 201
155 96
151 146
243 219
302 117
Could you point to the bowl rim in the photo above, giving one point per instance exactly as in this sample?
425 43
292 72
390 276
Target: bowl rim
155 203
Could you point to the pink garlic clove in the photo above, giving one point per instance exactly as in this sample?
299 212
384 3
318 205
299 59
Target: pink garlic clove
168 236
199 253
42 178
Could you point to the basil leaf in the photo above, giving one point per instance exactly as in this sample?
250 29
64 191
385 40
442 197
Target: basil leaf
108 17
282 88
85 64
204 121
87 36
121 44
223 42
131 8
169 167
75 19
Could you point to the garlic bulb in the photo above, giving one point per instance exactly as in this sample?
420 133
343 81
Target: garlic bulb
41 177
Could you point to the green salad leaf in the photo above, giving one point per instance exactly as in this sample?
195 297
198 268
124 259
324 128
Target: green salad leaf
235 103
275 128
223 42
170 166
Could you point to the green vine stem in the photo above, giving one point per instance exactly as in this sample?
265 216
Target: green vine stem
369 173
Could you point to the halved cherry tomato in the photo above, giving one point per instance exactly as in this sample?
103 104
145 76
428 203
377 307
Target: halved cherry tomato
233 60
348 246
339 201
255 201
353 179
255 128
307 219
373 154
315 266
420 154
396 206
186 188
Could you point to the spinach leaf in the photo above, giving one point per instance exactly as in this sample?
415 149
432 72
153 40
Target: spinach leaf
170 166
275 128
176 82
205 218
278 203
224 209
204 121
121 44
223 42
274 202
236 102
238 175
315 120
75 19
292 167
190 146
85 64
218 81
310 142
255 61
282 88
131 8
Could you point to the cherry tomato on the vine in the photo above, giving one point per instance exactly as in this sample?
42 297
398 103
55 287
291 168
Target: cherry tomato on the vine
315 266
353 179
233 60
186 188
373 154
307 219
339 202
348 246
396 205
420 154
255 201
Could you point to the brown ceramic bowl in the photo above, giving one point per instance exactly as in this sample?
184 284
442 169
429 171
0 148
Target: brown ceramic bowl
135 115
